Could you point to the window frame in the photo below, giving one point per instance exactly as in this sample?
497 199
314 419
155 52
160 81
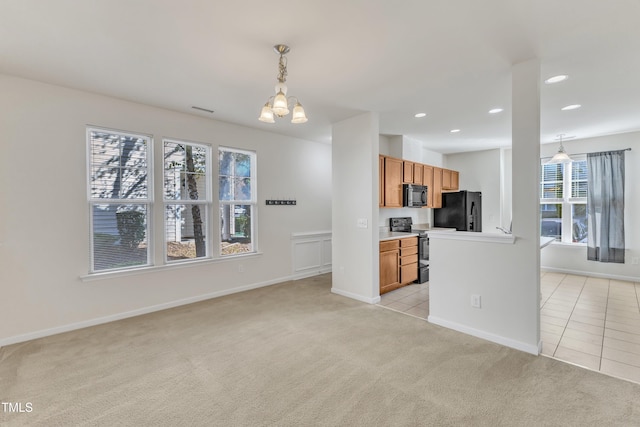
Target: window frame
154 236
147 202
253 202
567 201
207 201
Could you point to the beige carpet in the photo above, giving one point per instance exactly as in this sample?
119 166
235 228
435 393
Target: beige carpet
294 354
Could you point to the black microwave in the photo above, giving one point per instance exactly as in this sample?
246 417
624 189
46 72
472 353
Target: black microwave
414 196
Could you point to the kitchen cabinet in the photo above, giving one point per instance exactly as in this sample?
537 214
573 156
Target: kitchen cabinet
393 175
389 265
450 180
408 260
418 173
427 179
407 176
398 263
393 172
437 187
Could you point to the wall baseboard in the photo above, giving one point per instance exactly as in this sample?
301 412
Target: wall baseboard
138 312
356 297
508 342
310 273
590 273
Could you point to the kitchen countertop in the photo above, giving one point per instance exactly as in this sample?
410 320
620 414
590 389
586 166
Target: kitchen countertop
392 235
439 230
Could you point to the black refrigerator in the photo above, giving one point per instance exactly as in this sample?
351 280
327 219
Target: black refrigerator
461 210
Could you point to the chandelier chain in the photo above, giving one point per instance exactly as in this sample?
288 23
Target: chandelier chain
282 74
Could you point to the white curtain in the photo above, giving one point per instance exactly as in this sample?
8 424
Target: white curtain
605 207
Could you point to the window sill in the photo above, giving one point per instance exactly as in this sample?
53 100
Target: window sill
569 245
172 266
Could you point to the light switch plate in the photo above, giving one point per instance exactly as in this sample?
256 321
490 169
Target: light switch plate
475 301
362 223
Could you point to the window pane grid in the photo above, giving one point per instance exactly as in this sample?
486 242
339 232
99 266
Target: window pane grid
579 179
563 201
552 181
119 236
187 200
236 194
119 197
118 166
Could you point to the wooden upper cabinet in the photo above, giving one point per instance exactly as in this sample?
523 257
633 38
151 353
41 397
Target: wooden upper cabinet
407 172
393 172
437 187
418 173
427 179
450 180
392 182
455 180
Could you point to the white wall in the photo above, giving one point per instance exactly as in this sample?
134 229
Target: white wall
481 171
44 227
573 259
505 276
355 146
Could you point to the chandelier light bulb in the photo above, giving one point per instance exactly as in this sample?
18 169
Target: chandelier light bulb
280 107
266 115
298 114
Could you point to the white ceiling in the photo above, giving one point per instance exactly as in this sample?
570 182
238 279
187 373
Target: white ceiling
448 58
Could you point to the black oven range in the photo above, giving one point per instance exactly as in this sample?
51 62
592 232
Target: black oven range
404 224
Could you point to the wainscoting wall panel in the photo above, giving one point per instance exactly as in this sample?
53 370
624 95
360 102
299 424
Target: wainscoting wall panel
311 253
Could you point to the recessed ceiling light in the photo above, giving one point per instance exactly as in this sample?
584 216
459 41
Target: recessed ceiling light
418 115
556 79
454 130
495 110
571 107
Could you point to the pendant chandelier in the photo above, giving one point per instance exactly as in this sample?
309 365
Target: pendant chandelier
278 105
561 156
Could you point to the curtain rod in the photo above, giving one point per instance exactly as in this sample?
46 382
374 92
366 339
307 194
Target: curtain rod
593 152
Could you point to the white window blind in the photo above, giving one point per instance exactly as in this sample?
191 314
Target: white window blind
119 197
563 201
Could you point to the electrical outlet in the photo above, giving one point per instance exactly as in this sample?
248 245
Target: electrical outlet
241 268
475 301
635 260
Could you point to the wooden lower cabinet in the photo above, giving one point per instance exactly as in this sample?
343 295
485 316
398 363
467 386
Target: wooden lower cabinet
389 265
398 263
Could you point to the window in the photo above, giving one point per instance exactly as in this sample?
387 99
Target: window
120 198
563 203
187 200
237 196
121 204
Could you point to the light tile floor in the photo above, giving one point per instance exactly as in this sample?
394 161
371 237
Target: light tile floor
412 299
587 321
591 322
